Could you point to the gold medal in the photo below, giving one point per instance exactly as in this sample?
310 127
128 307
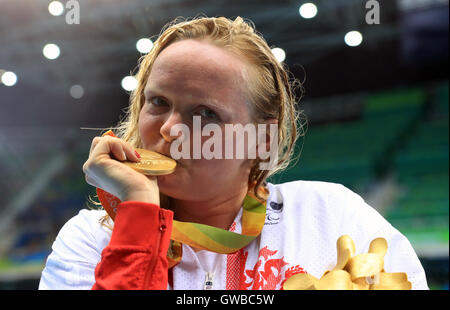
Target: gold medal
152 163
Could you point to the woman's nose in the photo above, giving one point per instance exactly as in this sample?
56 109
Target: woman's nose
170 129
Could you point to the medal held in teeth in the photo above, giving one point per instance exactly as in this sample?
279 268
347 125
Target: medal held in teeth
152 163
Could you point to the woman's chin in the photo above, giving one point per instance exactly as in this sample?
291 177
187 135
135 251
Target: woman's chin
169 185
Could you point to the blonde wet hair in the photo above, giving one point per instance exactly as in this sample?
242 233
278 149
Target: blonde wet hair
269 88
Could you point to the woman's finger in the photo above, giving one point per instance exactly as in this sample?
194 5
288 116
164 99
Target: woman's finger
94 143
114 148
131 153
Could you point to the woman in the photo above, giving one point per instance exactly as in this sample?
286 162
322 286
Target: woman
221 72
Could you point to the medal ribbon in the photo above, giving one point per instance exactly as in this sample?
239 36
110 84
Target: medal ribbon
202 236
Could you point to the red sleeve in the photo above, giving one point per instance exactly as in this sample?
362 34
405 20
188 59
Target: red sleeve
135 258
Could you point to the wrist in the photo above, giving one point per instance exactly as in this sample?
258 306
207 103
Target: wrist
144 192
142 196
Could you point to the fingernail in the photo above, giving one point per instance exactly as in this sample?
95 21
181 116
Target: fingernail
137 154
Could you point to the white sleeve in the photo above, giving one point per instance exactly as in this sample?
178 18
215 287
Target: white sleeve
363 224
401 257
75 254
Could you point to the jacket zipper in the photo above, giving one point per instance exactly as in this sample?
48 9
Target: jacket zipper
152 263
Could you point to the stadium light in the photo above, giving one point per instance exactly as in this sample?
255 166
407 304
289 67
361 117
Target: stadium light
144 45
129 83
51 51
279 54
308 10
9 78
56 8
76 91
353 38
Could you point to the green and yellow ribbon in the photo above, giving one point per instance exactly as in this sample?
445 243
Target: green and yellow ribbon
205 237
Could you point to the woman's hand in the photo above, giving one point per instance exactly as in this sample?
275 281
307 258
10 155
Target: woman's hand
104 170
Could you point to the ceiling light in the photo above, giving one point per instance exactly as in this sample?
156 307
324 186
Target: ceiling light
308 10
77 91
353 38
279 54
129 83
56 8
144 45
51 51
9 78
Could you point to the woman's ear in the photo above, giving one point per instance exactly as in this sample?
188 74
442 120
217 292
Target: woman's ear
267 145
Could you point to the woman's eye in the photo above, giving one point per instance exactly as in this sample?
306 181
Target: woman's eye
157 105
208 113
158 102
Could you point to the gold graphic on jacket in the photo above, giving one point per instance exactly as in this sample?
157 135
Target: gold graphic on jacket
360 272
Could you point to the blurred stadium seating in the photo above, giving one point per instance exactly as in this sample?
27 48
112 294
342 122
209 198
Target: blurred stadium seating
351 152
420 166
27 241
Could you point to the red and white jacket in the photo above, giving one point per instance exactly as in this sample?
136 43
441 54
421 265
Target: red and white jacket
303 222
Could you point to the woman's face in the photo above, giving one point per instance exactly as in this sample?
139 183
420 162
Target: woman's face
193 78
